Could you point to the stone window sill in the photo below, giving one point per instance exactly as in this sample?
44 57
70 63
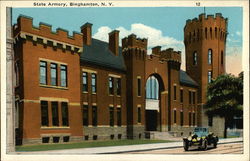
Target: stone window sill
55 87
54 127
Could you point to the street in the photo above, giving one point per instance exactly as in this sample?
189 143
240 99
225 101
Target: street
230 148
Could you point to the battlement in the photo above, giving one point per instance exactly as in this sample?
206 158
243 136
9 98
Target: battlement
203 17
133 42
167 54
44 31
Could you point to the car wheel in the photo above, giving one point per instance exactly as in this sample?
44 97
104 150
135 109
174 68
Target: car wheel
215 144
205 145
186 146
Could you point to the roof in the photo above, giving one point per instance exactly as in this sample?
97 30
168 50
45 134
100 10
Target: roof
185 79
98 53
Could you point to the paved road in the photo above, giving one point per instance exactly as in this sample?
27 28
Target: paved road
230 148
157 147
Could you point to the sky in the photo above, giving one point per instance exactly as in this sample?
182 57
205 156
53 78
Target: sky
162 26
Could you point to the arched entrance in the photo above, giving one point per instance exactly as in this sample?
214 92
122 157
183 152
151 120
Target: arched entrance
154 86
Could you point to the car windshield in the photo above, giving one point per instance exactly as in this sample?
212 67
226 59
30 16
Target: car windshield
200 131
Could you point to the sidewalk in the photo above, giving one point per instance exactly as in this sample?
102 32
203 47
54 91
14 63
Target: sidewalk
127 148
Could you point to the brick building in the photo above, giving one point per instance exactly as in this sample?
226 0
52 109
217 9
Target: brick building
76 88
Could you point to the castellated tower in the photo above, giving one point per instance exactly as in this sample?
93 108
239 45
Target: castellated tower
135 52
205 42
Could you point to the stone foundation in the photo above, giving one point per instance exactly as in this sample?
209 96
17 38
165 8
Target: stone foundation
52 138
104 133
136 132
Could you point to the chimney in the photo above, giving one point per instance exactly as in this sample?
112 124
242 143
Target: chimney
114 42
156 50
86 30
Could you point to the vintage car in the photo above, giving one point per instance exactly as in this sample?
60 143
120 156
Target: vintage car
200 138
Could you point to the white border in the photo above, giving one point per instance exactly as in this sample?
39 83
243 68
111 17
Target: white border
245 65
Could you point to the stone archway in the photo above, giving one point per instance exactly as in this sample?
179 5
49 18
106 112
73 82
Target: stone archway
154 87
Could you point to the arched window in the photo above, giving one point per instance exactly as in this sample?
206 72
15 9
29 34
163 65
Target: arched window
195 58
152 89
210 56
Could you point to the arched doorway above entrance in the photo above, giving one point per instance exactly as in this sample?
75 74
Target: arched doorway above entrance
153 87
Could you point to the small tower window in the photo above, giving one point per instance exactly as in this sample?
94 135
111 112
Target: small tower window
211 33
189 37
215 32
210 54
205 33
209 76
198 34
195 58
222 57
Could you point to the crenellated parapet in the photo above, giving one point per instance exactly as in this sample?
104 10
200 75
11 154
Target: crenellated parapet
205 27
24 29
133 42
167 54
134 47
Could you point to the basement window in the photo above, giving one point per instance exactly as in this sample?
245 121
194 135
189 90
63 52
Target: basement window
45 139
56 139
66 139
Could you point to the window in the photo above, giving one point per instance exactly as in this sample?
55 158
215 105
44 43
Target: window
138 86
17 65
189 37
195 58
215 32
175 92
211 33
63 75
210 120
205 33
111 85
193 97
85 82
44 113
53 72
139 115
111 116
65 115
190 97
152 88
55 119
119 117
85 115
43 72
94 115
181 118
222 57
93 82
118 87
210 57
189 115
209 76
198 34
175 116
181 96
193 119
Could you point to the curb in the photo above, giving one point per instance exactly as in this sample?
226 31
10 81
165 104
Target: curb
162 148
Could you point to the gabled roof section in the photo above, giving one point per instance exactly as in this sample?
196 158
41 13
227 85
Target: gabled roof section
98 53
186 80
